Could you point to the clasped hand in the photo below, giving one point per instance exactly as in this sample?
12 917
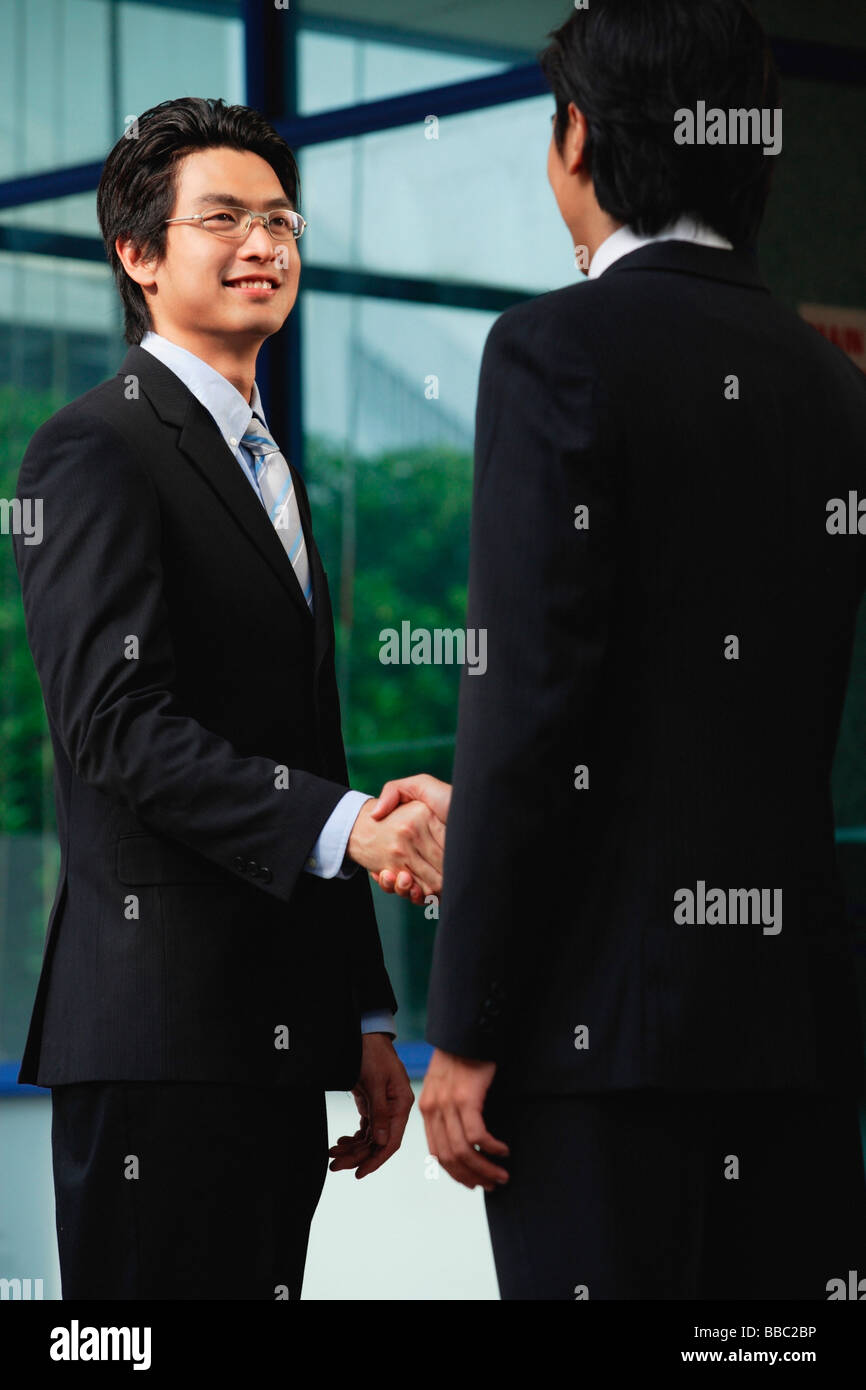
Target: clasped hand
400 838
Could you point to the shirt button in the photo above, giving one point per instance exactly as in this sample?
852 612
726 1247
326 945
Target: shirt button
233 441
311 863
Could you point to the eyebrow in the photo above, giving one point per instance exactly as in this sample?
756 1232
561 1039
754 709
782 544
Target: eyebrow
232 200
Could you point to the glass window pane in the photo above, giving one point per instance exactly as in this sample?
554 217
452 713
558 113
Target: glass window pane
72 71
334 70
56 83
166 52
389 471
75 214
401 203
60 325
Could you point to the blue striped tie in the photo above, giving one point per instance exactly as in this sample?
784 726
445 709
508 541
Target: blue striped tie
278 494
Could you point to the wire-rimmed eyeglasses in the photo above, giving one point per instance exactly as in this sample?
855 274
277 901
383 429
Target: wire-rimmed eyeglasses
284 224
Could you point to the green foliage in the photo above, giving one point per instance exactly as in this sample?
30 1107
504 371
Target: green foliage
25 763
410 563
28 858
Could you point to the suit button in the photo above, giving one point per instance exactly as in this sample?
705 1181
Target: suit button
253 868
240 864
265 874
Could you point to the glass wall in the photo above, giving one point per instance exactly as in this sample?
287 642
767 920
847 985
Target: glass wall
422 229
461 198
73 73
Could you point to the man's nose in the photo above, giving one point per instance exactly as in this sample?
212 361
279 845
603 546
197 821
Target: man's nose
259 240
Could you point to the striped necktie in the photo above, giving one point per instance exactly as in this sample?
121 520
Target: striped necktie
278 494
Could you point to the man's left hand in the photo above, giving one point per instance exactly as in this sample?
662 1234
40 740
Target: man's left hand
384 1098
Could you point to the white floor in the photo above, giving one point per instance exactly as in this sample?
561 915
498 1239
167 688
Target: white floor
397 1234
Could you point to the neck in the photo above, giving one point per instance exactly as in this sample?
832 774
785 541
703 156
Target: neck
235 361
590 231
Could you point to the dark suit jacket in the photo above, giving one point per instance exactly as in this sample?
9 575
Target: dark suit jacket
181 670
607 648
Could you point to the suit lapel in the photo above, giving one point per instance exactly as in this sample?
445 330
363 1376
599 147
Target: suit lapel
201 443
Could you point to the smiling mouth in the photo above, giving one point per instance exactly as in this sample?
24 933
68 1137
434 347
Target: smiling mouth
253 285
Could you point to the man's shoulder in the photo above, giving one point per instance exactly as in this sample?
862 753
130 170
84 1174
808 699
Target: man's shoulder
72 445
569 322
562 321
109 414
545 310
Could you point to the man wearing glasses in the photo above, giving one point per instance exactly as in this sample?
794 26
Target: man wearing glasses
212 962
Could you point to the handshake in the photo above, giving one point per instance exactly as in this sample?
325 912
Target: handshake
400 838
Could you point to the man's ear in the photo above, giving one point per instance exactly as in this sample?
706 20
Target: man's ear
139 269
575 139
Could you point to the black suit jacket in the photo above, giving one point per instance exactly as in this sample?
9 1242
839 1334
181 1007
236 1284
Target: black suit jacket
558 954
184 680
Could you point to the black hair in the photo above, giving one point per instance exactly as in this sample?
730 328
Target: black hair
138 186
629 65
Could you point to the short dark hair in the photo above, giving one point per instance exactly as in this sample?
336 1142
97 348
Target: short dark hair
629 65
138 186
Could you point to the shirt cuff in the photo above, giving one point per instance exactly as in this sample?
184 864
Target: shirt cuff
326 858
380 1021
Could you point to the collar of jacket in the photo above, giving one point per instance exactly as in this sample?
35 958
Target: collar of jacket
738 267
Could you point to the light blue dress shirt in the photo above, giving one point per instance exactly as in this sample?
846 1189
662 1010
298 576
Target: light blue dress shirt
233 415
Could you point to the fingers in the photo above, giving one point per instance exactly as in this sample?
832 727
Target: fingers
349 1151
453 1131
423 854
447 1142
398 1118
389 799
380 1139
404 841
422 787
473 1166
437 833
403 884
411 889
410 845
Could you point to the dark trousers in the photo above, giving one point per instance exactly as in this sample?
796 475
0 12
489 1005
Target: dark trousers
182 1190
663 1195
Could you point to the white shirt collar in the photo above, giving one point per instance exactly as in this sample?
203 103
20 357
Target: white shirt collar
215 392
624 240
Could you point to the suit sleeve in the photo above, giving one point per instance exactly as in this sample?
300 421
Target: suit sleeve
541 589
100 635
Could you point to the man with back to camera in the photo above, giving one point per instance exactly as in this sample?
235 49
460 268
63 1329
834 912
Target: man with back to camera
212 962
649 1051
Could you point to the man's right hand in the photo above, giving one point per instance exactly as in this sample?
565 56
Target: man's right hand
421 787
410 839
